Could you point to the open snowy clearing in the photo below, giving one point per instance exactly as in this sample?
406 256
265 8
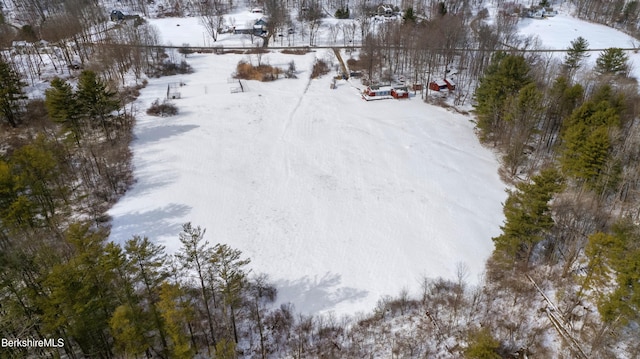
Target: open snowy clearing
339 200
558 32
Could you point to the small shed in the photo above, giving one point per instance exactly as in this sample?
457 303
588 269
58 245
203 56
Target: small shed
438 85
451 85
399 92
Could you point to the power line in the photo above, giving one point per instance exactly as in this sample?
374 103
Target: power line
329 47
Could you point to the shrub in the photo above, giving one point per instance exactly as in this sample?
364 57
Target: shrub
185 50
354 64
291 71
247 71
130 93
319 68
296 51
169 68
163 109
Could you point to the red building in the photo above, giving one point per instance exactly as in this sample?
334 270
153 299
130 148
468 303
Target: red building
400 92
441 85
378 91
438 85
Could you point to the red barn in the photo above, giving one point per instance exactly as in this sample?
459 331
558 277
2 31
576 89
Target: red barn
438 85
400 92
450 84
441 85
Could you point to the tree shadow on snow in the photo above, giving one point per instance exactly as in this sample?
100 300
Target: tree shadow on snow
313 295
157 133
151 224
148 181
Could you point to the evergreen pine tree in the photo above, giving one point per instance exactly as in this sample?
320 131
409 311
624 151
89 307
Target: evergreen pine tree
176 313
129 332
587 144
504 78
522 115
80 299
527 216
612 61
229 268
8 193
613 272
576 53
39 178
226 349
193 255
561 100
95 100
482 345
62 107
146 263
11 94
130 322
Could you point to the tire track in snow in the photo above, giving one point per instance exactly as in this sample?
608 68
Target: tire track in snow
293 112
287 160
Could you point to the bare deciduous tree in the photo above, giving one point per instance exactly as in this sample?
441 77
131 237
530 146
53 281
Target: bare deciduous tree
212 17
278 18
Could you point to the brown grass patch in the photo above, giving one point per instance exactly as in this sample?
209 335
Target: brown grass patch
246 71
354 64
257 50
295 51
319 68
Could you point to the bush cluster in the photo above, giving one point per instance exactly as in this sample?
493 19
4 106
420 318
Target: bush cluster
163 109
302 51
247 71
291 71
319 68
130 93
355 64
171 68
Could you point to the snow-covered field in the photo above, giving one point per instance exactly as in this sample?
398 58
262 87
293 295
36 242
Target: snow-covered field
558 32
339 200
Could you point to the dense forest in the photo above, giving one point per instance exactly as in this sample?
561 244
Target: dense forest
563 280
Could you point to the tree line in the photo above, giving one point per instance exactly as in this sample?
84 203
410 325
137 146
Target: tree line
567 137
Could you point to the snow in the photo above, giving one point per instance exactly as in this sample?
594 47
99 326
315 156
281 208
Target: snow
340 201
557 33
189 30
